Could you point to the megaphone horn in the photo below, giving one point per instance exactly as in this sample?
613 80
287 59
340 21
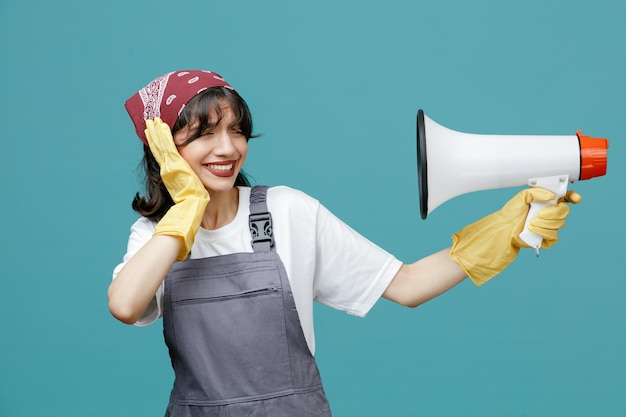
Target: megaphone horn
451 163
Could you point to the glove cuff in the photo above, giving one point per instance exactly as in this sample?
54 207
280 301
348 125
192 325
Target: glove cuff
482 250
471 269
183 220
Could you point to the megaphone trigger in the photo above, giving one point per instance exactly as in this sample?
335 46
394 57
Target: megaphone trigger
558 186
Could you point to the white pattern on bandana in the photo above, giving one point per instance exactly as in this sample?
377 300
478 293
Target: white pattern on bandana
152 95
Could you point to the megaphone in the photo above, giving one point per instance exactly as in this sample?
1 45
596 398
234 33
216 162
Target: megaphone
451 163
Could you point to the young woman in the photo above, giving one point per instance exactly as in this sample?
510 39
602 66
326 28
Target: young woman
234 270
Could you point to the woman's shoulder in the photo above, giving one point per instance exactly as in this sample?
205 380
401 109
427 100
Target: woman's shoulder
142 229
144 223
290 197
286 192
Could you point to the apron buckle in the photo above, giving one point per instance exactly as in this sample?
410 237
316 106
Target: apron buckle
261 228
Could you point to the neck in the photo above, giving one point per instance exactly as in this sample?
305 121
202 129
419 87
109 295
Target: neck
221 210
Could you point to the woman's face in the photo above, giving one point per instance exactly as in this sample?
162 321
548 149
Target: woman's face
217 156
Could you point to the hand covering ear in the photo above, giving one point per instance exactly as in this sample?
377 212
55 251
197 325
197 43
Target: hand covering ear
190 197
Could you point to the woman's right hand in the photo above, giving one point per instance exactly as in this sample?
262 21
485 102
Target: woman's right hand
190 197
180 180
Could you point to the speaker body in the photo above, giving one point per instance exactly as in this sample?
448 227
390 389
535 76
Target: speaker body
452 163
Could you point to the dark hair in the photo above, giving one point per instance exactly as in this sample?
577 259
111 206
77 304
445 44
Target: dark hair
157 200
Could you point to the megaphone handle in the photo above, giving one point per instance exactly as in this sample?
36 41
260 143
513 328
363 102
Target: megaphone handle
557 185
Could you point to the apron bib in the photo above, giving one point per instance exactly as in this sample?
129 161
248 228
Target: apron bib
234 335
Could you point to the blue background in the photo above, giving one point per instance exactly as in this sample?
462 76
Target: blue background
334 87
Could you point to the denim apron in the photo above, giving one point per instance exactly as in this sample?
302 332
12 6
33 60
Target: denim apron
234 335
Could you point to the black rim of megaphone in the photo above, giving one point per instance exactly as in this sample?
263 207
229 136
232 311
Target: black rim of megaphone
422 172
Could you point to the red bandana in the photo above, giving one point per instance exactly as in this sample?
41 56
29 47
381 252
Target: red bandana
166 97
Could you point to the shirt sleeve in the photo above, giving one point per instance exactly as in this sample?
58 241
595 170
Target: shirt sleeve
351 271
140 233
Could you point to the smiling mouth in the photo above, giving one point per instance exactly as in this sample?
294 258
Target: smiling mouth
220 167
224 169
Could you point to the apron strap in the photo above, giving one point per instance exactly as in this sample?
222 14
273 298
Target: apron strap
260 220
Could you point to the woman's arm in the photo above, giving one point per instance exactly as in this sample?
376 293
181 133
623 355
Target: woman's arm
416 283
481 250
137 283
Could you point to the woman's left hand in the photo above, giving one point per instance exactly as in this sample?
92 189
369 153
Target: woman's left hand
484 248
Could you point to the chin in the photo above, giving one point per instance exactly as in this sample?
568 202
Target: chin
220 188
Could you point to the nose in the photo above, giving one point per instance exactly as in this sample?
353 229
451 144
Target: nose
224 146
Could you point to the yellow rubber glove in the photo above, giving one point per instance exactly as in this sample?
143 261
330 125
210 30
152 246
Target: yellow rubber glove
190 197
484 248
